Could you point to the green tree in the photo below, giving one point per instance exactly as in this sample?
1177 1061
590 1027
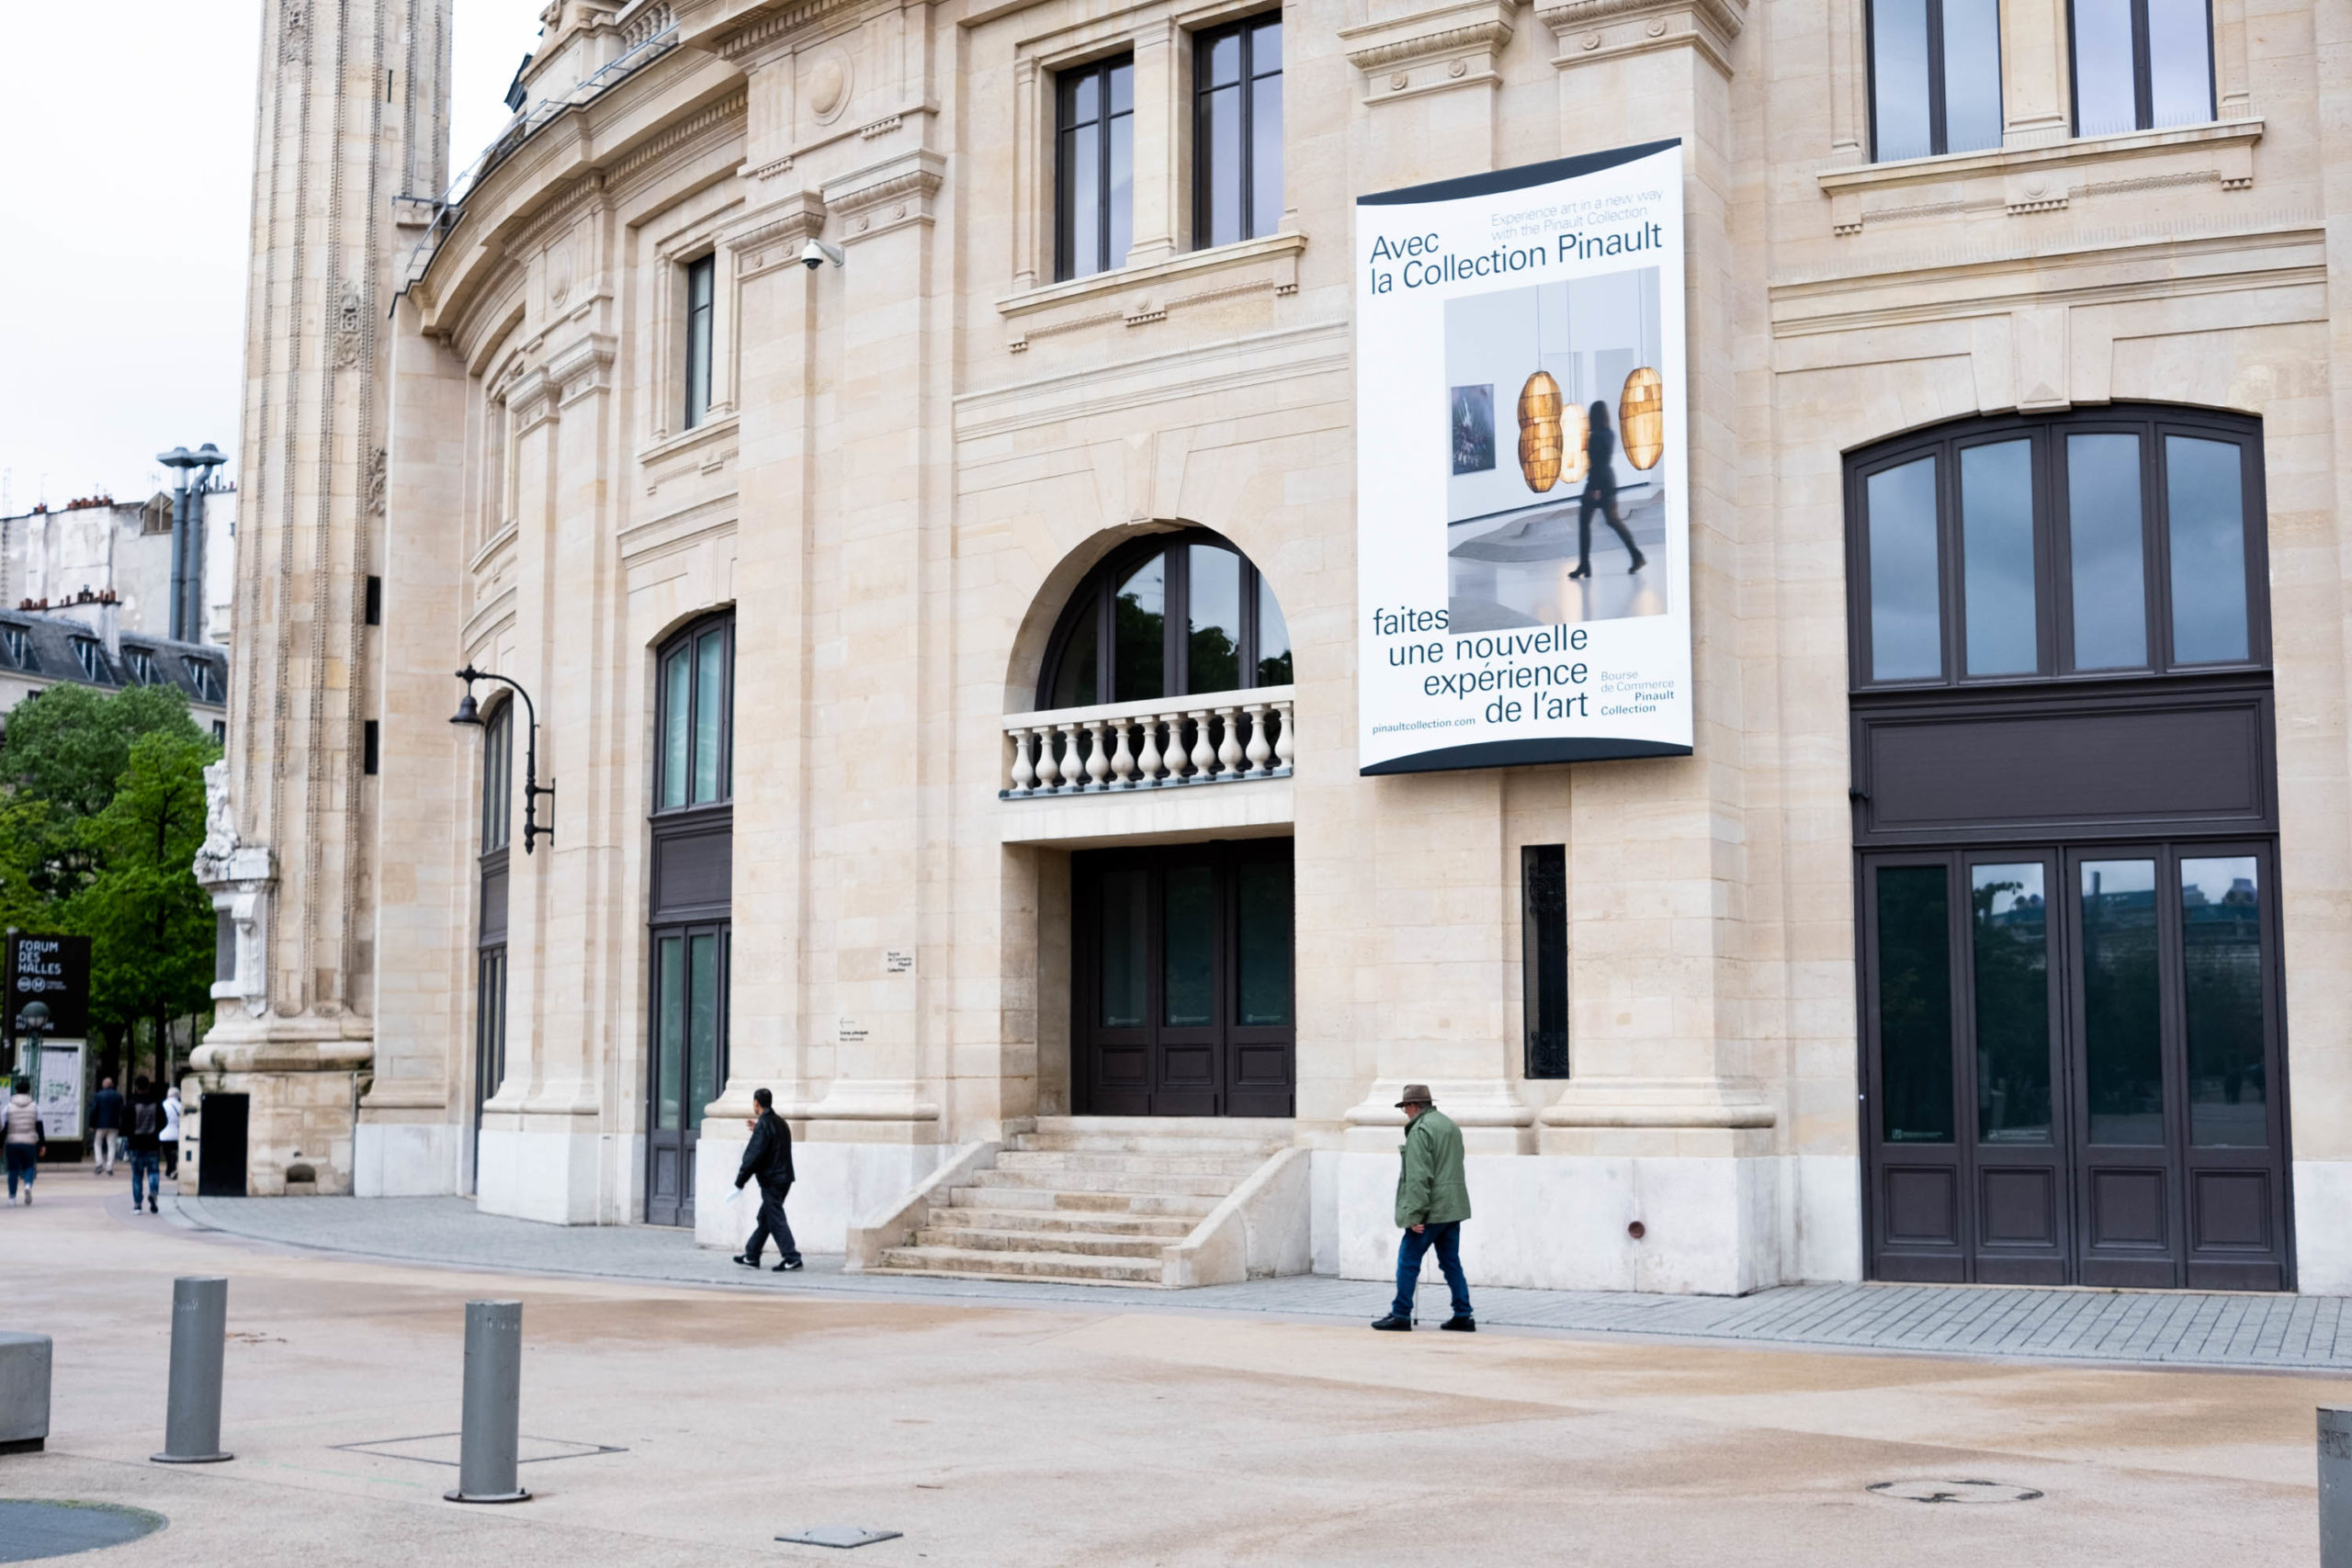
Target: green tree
150 927
70 745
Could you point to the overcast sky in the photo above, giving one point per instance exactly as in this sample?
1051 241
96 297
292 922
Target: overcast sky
124 198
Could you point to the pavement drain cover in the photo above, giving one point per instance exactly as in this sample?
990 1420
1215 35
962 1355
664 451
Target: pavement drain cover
33 1529
840 1535
1956 1491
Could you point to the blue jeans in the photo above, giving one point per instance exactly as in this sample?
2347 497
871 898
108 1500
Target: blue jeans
23 1160
1447 1239
142 1165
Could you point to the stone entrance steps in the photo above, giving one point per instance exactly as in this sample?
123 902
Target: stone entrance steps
1088 1200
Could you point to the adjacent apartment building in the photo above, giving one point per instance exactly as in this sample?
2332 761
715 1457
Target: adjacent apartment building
890 468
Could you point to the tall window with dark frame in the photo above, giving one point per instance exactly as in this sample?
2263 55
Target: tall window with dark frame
2093 546
1237 131
702 281
490 953
2140 65
1165 617
696 762
1935 77
1095 163
1544 956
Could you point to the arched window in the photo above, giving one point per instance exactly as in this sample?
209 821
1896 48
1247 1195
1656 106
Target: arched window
695 762
1166 616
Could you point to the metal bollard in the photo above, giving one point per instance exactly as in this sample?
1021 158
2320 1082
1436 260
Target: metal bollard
199 1332
2334 1487
486 1449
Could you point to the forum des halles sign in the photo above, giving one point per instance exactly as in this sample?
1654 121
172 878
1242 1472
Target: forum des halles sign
1522 510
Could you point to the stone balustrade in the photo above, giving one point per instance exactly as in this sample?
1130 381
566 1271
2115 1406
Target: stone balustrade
1209 737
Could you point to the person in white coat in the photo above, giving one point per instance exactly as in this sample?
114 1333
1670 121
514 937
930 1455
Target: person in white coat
170 1136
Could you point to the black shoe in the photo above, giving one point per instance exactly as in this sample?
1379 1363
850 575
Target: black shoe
152 1208
1640 560
1392 1324
788 1266
1584 570
746 1260
1460 1325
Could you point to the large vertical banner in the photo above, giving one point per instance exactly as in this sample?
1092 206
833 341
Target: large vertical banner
1522 497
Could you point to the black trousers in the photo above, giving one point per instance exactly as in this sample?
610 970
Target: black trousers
1606 499
772 1223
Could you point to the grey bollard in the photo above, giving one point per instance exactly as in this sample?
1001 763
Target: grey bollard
192 1414
2334 1487
492 1426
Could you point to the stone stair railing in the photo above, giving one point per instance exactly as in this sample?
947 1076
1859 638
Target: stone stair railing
1211 737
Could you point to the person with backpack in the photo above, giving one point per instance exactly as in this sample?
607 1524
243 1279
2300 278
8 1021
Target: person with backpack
145 1143
106 1125
21 1125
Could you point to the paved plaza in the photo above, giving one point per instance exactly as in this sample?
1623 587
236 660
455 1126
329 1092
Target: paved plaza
677 1411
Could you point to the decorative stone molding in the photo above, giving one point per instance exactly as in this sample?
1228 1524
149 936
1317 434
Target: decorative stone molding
2042 179
1605 29
1467 1102
768 35
886 195
1431 50
531 399
240 877
776 234
582 367
1658 1102
1139 296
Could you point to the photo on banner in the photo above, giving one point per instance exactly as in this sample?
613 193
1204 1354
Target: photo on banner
1524 525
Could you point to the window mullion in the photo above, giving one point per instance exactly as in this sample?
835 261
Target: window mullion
2143 91
1939 141
1245 137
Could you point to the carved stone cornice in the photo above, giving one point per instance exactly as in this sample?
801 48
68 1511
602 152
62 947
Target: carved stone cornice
776 234
1431 50
886 195
754 38
1606 30
582 365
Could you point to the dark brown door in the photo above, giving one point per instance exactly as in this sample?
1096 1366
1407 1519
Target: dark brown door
2072 1066
1182 994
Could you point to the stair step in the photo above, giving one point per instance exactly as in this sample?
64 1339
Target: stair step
1133 1183
1231 1166
1090 1244
1046 1199
1149 1144
1055 1222
1022 1265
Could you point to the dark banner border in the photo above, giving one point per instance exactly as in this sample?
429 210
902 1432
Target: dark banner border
1518 753
1499 180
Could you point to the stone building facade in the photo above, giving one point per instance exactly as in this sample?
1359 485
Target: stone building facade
830 411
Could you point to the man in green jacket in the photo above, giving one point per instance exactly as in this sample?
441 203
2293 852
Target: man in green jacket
1432 1200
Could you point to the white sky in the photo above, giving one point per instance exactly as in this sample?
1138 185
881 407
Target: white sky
124 198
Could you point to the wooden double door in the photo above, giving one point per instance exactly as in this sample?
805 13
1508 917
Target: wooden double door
2073 1068
1181 986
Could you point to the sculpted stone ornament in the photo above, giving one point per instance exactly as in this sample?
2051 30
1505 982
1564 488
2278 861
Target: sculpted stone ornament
219 826
237 876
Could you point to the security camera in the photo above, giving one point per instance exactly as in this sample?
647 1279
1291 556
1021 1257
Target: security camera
816 253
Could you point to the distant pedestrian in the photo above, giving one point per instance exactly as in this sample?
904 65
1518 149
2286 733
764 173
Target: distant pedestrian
170 1136
144 1143
768 1157
105 1125
20 1118
1432 1200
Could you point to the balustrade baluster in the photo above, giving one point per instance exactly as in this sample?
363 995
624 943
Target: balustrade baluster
1203 754
1287 742
1024 777
1048 775
1123 762
1261 750
1073 770
1098 759
1229 746
1150 762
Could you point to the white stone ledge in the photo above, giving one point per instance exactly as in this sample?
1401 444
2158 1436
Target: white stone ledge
1250 807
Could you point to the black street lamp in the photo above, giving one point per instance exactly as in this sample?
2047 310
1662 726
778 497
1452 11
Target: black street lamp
32 1023
532 789
187 537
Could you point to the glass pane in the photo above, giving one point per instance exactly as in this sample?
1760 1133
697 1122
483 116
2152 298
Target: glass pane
1914 1003
1220 155
1119 221
1899 79
2012 963
711 697
1122 82
677 727
1907 623
1083 203
702 1056
1213 646
1996 555
1972 74
1139 653
497 779
2205 512
669 1029
1263 944
2180 62
2221 940
698 301
1126 948
2104 100
2122 1049
1074 679
1266 154
1190 934
1266 48
1273 638
2103 523
1085 100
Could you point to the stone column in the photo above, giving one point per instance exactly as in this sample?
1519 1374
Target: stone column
352 110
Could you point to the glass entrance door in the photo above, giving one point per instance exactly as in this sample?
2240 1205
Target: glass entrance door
688 1062
2072 1061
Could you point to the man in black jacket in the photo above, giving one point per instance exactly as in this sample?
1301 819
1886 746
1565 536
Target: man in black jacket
769 1157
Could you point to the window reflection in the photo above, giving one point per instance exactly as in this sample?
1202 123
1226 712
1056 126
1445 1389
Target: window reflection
2103 518
1906 624
1189 911
1996 548
1906 36
1212 636
2140 65
1262 953
1126 946
2222 961
2121 1004
1139 612
2205 507
1274 639
1915 1004
2012 996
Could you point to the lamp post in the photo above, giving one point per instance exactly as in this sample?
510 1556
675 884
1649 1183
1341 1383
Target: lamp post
532 789
187 535
31 1024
